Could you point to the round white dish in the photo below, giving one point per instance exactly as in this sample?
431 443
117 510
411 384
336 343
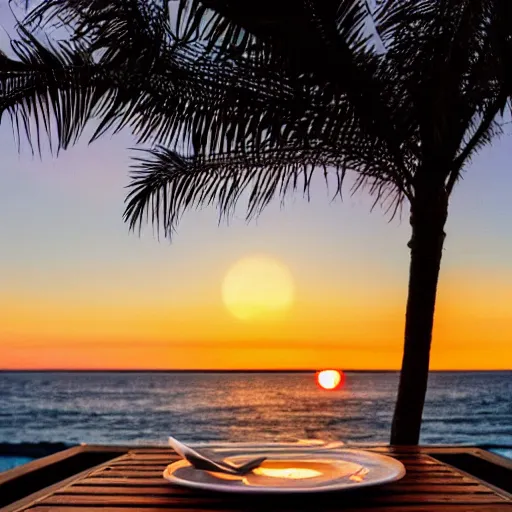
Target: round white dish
292 470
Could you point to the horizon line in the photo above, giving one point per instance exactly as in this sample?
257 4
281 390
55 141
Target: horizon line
225 370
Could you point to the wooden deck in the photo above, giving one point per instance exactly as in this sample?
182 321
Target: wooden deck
132 481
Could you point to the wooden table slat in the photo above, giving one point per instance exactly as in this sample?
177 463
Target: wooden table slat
219 500
165 456
172 490
134 475
111 468
141 482
133 482
386 508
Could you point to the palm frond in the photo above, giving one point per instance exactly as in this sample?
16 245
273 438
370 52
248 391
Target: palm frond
165 184
327 45
489 85
116 26
57 87
242 98
158 96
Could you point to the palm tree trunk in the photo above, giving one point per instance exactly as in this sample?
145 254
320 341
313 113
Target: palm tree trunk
428 218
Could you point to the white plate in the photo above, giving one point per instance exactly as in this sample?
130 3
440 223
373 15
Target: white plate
291 470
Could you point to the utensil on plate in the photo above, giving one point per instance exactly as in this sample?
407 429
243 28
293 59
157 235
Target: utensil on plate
201 461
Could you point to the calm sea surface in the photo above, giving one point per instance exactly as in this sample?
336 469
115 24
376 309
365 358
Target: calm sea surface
143 408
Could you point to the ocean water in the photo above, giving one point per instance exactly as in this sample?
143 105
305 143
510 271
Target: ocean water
143 408
11 461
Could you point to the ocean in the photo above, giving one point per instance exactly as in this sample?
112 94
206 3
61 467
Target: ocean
144 408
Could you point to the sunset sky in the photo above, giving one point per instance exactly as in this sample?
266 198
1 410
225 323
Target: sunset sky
77 290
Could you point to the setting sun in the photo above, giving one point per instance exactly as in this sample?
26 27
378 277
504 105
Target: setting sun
330 379
257 286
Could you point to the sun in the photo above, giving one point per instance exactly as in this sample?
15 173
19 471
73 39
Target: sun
257 287
330 379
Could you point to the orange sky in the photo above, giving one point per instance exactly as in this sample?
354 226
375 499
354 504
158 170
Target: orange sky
78 291
340 328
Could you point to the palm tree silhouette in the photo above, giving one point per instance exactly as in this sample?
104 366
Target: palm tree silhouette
247 99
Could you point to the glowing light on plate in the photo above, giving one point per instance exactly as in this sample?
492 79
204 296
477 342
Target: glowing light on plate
330 379
291 473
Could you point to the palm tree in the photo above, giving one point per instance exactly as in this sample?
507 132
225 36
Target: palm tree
235 100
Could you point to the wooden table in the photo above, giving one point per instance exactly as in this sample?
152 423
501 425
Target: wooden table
133 482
